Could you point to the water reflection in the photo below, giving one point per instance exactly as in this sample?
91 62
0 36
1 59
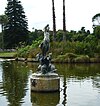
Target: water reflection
79 71
96 81
45 99
82 83
79 85
14 80
64 92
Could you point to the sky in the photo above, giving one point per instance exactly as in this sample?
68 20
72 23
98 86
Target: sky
79 13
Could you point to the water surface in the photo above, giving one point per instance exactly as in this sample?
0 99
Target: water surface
79 85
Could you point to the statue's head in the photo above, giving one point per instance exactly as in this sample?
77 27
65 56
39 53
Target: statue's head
46 28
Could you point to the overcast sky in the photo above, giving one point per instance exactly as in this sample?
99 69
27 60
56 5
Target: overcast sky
79 13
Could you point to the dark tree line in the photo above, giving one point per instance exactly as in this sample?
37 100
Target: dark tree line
15 27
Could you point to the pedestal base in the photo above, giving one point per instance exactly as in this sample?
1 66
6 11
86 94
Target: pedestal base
45 82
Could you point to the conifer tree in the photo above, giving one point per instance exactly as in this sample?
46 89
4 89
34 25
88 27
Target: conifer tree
16 30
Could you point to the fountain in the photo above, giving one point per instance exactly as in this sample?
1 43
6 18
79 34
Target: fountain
45 79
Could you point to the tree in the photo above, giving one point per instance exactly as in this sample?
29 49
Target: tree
96 20
54 21
3 22
59 36
84 32
97 32
16 30
64 22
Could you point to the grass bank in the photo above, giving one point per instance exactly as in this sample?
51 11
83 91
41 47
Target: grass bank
62 52
8 54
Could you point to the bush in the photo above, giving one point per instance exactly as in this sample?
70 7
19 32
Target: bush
80 47
29 51
94 60
23 52
68 57
82 59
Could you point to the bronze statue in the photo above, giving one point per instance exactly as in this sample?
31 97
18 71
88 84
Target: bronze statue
45 60
45 43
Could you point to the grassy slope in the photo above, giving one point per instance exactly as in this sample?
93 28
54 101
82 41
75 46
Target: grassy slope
7 54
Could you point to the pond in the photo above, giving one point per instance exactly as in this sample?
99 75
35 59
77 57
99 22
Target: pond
79 85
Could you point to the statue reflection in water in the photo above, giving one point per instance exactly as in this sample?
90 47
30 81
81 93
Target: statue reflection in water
45 99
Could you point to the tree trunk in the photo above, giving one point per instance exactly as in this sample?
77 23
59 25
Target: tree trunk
2 27
64 22
54 21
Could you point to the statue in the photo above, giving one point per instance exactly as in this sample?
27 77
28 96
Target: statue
45 43
45 60
45 79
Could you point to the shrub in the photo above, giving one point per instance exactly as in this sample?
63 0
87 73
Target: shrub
68 57
82 59
29 51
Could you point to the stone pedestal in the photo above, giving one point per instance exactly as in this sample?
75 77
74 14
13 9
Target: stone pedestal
45 82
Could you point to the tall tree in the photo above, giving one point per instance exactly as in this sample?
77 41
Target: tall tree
64 22
54 21
96 20
3 22
16 30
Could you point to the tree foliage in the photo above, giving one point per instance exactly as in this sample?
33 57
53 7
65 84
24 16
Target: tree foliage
97 32
16 30
96 20
3 21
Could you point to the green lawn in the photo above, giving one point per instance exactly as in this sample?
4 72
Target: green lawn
7 54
